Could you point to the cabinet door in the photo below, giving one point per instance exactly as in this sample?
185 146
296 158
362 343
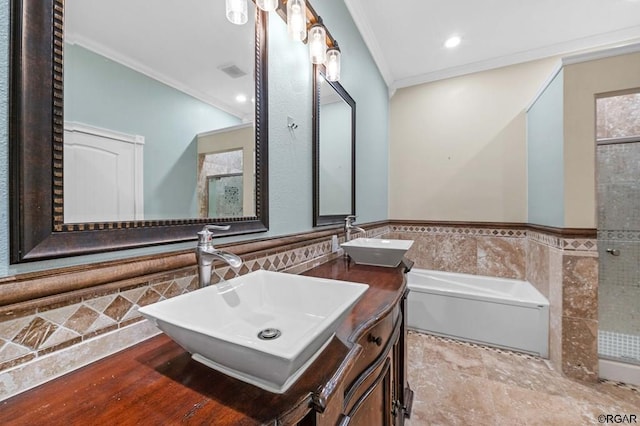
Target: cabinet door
374 406
402 393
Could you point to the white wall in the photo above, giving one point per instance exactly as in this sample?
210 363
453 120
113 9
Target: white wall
458 146
582 81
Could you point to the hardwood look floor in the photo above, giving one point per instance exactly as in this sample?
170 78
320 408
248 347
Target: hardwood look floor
457 383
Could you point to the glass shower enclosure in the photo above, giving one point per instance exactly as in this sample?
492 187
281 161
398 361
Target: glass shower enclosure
618 194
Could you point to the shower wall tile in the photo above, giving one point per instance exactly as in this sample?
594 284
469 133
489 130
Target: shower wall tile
618 194
580 287
617 163
619 205
620 309
622 270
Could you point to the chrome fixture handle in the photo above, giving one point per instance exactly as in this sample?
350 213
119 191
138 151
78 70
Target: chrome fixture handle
204 236
613 252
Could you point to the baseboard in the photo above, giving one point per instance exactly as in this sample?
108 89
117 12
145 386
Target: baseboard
619 372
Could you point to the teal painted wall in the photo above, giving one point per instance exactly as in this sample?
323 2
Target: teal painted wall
290 157
545 164
360 77
106 94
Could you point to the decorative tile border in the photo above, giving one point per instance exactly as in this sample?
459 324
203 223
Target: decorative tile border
484 347
567 244
459 230
619 235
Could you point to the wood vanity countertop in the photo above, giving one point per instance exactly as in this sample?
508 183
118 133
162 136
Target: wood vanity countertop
157 382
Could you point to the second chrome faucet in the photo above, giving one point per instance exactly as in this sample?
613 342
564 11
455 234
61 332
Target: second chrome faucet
350 229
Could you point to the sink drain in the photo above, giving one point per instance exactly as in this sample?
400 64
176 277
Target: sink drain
269 334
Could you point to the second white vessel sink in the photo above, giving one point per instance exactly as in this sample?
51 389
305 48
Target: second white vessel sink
377 251
264 328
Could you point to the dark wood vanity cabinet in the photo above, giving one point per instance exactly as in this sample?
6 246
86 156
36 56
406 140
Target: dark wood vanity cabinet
375 391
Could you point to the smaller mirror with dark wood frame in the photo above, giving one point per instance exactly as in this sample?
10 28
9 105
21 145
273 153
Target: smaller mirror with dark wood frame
334 151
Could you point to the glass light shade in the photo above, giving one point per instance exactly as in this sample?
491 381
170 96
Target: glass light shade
317 44
267 5
332 64
297 19
237 11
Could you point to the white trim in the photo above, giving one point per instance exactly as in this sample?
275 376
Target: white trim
602 53
583 57
358 14
126 61
74 126
543 87
630 37
224 129
619 372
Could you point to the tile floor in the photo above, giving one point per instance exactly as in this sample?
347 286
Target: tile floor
457 383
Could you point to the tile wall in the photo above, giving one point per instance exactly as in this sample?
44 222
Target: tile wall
565 270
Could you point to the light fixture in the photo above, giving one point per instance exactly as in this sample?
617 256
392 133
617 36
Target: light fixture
237 11
267 5
332 63
452 42
241 98
317 43
297 19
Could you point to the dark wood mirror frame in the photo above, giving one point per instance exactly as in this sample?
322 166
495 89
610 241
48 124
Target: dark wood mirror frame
37 228
318 219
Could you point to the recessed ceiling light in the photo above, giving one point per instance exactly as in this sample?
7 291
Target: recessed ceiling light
241 98
452 42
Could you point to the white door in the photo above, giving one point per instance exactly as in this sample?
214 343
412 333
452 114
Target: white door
102 175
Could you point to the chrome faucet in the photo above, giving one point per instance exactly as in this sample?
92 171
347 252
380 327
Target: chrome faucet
206 253
349 228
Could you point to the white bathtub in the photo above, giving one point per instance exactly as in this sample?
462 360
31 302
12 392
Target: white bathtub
499 312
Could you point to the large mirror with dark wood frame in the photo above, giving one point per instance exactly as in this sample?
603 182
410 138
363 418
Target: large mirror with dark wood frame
334 151
133 124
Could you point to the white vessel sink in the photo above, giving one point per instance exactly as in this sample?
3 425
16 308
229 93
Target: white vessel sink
219 325
377 251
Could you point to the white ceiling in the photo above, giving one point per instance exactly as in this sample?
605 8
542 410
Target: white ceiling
184 43
406 37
